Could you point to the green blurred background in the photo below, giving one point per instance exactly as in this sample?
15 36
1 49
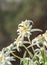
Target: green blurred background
12 12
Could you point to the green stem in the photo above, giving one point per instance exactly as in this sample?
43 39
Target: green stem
44 54
26 51
24 54
16 56
31 45
30 54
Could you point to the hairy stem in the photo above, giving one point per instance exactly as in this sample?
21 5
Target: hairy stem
16 56
30 54
31 45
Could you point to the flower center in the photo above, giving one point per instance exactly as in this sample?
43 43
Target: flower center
24 28
40 37
1 57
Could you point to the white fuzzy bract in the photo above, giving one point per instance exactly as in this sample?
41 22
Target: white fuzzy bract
18 42
24 28
38 40
5 58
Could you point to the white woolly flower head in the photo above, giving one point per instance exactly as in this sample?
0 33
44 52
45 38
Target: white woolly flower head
24 28
5 58
38 40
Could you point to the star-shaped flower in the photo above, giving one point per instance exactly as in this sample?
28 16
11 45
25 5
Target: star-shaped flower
25 28
5 58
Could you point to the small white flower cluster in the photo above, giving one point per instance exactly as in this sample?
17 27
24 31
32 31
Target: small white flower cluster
5 58
40 39
25 30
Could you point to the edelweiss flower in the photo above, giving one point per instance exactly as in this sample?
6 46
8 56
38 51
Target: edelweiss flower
45 35
5 58
25 28
38 40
